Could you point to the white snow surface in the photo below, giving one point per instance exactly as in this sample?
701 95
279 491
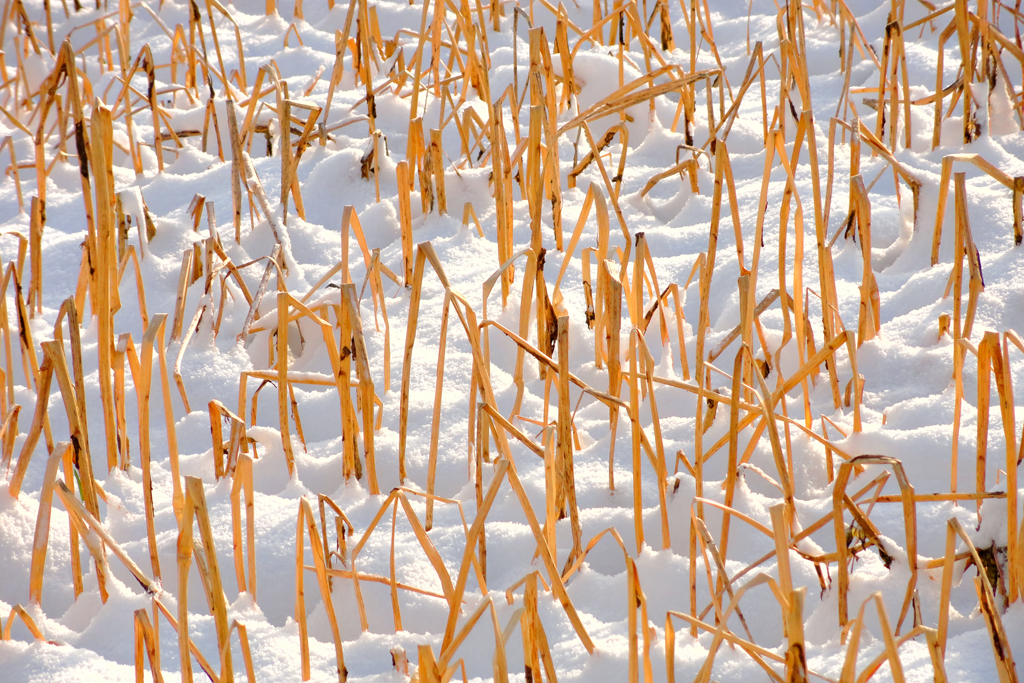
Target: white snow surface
908 402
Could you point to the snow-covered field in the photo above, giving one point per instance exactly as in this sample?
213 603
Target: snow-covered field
597 629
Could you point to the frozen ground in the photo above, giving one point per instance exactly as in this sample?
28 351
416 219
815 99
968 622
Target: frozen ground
908 401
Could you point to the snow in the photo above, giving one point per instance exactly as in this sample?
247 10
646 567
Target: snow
908 403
